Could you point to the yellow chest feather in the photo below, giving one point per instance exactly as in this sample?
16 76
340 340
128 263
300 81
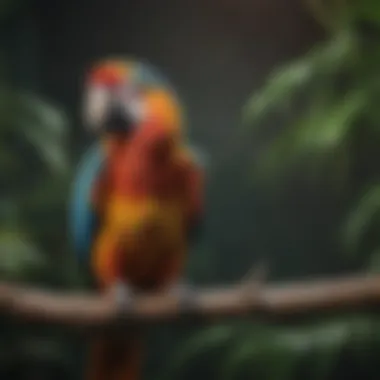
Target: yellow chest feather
137 220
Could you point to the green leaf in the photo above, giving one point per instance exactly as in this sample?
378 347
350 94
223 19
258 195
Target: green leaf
367 10
45 128
51 151
37 122
330 14
360 218
374 262
50 118
315 140
203 342
362 331
260 348
329 350
19 258
322 63
329 129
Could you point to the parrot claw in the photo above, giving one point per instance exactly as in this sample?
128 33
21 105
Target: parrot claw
186 294
123 295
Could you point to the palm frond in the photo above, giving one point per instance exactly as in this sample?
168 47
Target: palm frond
37 122
361 218
373 265
277 352
20 259
45 128
202 343
259 350
323 62
366 10
316 141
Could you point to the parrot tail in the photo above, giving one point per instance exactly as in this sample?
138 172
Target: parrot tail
116 358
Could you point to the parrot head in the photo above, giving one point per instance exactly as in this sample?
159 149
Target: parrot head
120 95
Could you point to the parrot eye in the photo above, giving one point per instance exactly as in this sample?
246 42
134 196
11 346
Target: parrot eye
95 106
134 101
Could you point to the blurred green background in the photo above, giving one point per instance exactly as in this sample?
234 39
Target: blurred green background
282 95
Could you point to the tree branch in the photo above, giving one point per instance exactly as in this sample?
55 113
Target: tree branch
288 299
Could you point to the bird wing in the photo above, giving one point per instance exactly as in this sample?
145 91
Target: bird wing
82 216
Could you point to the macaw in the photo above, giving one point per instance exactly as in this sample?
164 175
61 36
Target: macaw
137 198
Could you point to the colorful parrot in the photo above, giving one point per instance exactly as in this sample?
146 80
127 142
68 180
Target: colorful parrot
137 198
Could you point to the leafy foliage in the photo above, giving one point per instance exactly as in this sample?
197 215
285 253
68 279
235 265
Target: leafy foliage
276 352
32 134
328 101
34 170
334 133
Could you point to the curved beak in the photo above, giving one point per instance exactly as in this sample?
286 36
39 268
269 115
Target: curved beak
118 120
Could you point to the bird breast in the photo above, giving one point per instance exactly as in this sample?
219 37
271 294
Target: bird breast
146 222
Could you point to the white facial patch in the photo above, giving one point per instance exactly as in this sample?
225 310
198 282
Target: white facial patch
96 101
134 102
99 99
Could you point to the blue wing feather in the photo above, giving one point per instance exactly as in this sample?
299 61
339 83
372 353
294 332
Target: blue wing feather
82 218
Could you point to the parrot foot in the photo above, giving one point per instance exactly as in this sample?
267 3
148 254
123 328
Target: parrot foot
123 295
186 294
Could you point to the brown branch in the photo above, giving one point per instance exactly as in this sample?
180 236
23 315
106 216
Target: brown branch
288 299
